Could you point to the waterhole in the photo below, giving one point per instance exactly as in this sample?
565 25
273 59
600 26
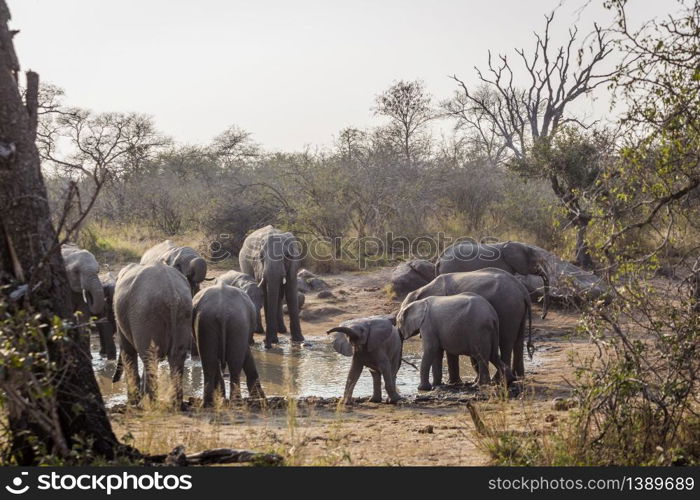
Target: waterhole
310 369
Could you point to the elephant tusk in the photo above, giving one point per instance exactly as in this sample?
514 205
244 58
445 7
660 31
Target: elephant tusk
284 281
85 296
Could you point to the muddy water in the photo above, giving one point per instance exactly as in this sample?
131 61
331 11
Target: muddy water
311 369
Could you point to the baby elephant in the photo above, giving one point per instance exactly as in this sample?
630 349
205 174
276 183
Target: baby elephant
224 319
458 324
373 342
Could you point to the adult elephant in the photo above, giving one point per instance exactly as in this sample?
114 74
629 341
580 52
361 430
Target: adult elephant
185 259
509 298
273 258
86 288
153 309
459 324
107 326
510 256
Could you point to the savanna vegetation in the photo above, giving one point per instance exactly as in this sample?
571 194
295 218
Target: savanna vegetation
616 196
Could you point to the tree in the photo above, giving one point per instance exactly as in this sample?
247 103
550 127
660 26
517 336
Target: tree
522 117
408 106
32 277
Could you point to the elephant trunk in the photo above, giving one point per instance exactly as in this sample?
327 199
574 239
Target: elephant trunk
352 334
545 280
93 293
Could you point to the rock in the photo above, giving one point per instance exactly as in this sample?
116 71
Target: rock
319 313
325 294
428 429
411 275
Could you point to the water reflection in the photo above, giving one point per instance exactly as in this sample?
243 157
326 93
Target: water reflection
312 369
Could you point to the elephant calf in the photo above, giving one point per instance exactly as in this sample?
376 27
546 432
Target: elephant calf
459 324
224 320
373 342
153 309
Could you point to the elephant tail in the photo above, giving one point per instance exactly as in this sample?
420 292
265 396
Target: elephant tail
530 345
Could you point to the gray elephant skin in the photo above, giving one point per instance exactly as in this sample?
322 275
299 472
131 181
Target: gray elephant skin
246 283
510 256
185 259
411 275
459 324
509 298
374 343
87 294
272 257
153 309
224 319
107 326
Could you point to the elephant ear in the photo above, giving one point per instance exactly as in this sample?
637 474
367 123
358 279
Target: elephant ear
515 255
411 318
341 344
380 331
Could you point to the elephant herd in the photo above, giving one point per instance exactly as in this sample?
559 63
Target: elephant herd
472 306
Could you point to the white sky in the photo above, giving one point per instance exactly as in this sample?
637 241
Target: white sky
292 72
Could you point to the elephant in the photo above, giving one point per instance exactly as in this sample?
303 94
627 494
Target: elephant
248 284
185 259
458 324
223 321
107 326
153 309
510 256
373 342
409 276
509 298
87 294
273 258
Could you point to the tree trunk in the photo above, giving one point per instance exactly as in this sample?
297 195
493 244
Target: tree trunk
30 254
583 257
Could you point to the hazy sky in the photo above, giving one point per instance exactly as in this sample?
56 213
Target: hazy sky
292 72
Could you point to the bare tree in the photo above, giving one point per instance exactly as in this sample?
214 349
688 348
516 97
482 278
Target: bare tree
408 105
522 116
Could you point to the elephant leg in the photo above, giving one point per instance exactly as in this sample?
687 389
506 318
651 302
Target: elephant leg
235 361
437 368
150 373
176 361
518 354
271 298
376 387
255 390
475 367
108 348
453 369
430 356
281 328
354 374
292 297
389 381
130 362
484 375
259 325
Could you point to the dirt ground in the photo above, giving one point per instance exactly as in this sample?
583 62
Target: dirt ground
430 428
